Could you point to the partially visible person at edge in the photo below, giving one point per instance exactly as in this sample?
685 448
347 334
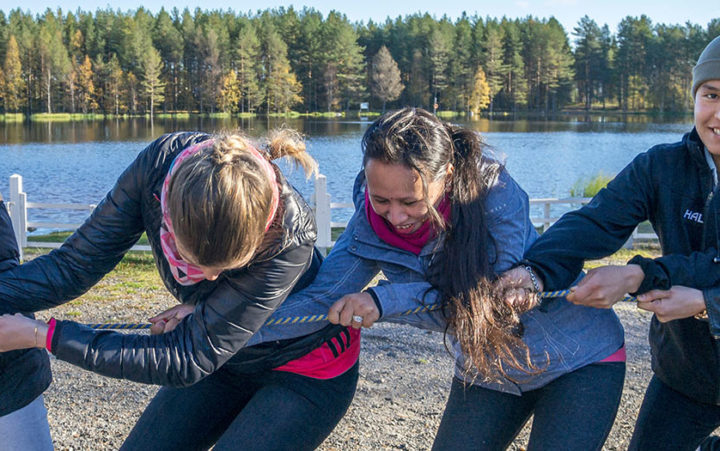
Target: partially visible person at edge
24 375
232 237
442 221
675 187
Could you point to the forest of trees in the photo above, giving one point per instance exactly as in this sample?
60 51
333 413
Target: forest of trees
281 60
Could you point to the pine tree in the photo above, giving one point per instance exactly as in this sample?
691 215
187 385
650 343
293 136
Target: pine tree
153 86
634 36
493 61
588 58
307 56
417 90
131 90
54 60
210 69
25 30
515 84
385 81
114 83
558 70
246 64
169 42
461 65
14 85
352 75
281 86
439 53
343 66
192 77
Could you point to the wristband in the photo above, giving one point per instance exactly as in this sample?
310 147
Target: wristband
50 332
533 278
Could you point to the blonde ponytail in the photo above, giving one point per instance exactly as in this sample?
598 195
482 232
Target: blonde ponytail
290 144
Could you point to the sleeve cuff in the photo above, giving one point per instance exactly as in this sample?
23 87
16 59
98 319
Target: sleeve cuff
376 300
712 306
655 276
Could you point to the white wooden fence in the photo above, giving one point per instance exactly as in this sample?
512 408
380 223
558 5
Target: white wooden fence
18 207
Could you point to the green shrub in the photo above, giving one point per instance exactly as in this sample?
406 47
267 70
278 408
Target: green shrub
12 117
585 187
448 114
51 117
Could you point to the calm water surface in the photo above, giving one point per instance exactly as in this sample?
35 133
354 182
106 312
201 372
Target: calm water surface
79 162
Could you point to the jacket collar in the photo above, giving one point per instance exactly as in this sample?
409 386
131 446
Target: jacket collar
696 148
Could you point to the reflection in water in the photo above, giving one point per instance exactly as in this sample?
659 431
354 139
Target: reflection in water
142 129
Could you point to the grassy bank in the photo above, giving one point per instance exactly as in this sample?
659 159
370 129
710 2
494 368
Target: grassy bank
444 114
12 117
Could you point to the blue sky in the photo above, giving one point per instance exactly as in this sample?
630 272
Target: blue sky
568 12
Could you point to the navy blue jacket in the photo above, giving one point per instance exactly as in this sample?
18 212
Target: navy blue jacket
24 374
670 185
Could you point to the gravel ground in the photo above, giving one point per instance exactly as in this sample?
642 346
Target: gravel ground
405 376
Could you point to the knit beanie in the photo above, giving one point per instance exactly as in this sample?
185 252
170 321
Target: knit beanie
708 65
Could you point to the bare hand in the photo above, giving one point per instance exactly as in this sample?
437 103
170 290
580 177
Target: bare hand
519 277
606 285
516 287
170 318
676 303
18 332
354 305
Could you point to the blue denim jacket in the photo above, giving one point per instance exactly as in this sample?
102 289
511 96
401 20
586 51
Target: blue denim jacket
561 336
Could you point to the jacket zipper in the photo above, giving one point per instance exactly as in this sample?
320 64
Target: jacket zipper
715 224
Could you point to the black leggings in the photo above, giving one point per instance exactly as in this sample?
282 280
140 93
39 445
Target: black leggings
670 420
272 410
574 412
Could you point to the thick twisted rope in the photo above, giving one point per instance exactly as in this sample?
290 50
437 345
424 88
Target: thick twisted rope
323 317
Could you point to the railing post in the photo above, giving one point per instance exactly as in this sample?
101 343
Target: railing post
546 216
322 213
18 211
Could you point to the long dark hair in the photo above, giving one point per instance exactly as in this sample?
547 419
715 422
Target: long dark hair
485 325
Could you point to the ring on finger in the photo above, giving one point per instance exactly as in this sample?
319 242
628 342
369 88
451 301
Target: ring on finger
357 318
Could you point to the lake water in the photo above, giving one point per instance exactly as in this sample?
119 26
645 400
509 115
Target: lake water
78 162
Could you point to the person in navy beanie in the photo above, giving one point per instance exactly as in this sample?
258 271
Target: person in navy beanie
675 187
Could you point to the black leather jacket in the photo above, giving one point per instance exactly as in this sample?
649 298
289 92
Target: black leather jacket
24 374
228 310
672 186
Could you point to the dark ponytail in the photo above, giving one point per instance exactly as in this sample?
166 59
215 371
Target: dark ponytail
487 327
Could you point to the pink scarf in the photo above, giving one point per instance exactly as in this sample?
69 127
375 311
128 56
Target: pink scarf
186 273
411 242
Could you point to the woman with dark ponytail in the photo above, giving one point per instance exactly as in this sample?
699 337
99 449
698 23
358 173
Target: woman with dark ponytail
443 221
